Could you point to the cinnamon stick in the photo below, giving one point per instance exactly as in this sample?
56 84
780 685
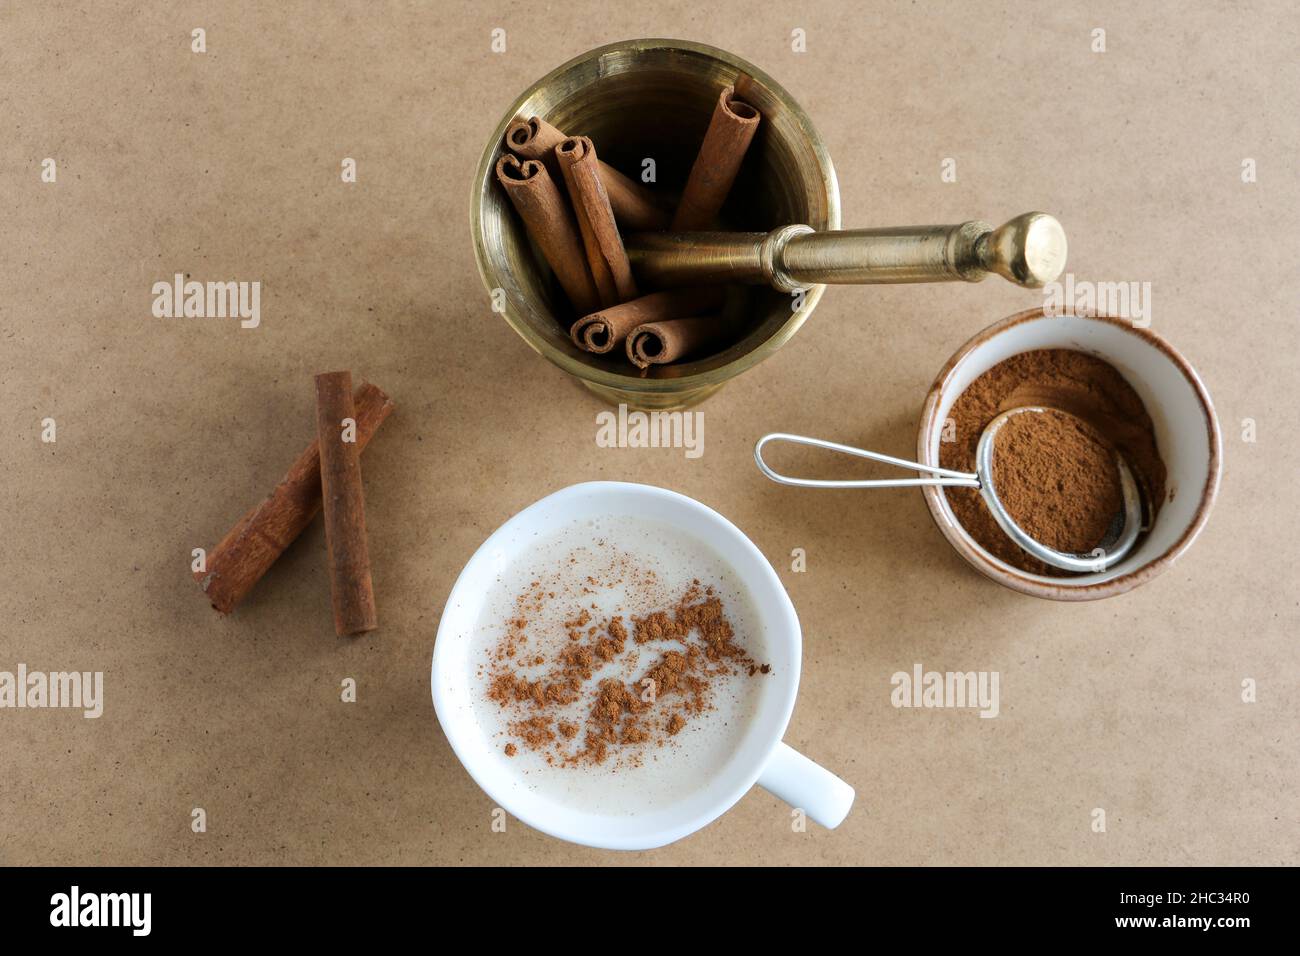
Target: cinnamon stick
730 131
548 220
249 549
344 504
606 330
635 207
605 254
658 343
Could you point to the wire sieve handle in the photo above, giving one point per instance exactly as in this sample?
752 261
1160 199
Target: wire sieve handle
941 477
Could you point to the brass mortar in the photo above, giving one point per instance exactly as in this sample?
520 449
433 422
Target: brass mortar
653 98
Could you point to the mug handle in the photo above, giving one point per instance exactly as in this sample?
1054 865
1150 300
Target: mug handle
807 786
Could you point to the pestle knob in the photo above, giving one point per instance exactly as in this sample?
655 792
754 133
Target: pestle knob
1029 251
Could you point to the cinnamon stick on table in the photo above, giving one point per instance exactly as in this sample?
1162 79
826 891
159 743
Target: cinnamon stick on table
606 330
548 220
635 207
345 506
605 253
730 131
249 549
658 343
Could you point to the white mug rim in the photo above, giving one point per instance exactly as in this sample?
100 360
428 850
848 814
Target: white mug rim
469 755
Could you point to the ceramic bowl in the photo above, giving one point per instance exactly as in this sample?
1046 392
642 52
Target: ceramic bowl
1187 436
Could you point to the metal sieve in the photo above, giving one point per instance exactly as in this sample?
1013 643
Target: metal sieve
1120 536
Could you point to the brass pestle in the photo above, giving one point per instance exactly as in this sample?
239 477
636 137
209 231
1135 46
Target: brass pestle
1029 250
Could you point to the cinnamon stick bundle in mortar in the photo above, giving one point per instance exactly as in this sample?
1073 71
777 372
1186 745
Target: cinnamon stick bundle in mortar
635 207
548 220
249 549
345 506
606 330
658 343
730 131
606 256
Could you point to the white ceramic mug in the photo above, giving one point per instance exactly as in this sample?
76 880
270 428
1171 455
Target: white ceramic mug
761 758
1187 437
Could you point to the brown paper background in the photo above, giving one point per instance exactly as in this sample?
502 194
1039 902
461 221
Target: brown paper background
225 165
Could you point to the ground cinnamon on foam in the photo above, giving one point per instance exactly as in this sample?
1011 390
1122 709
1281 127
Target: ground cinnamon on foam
1054 474
622 720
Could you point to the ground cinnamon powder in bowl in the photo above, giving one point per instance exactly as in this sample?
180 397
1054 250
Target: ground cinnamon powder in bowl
1055 473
